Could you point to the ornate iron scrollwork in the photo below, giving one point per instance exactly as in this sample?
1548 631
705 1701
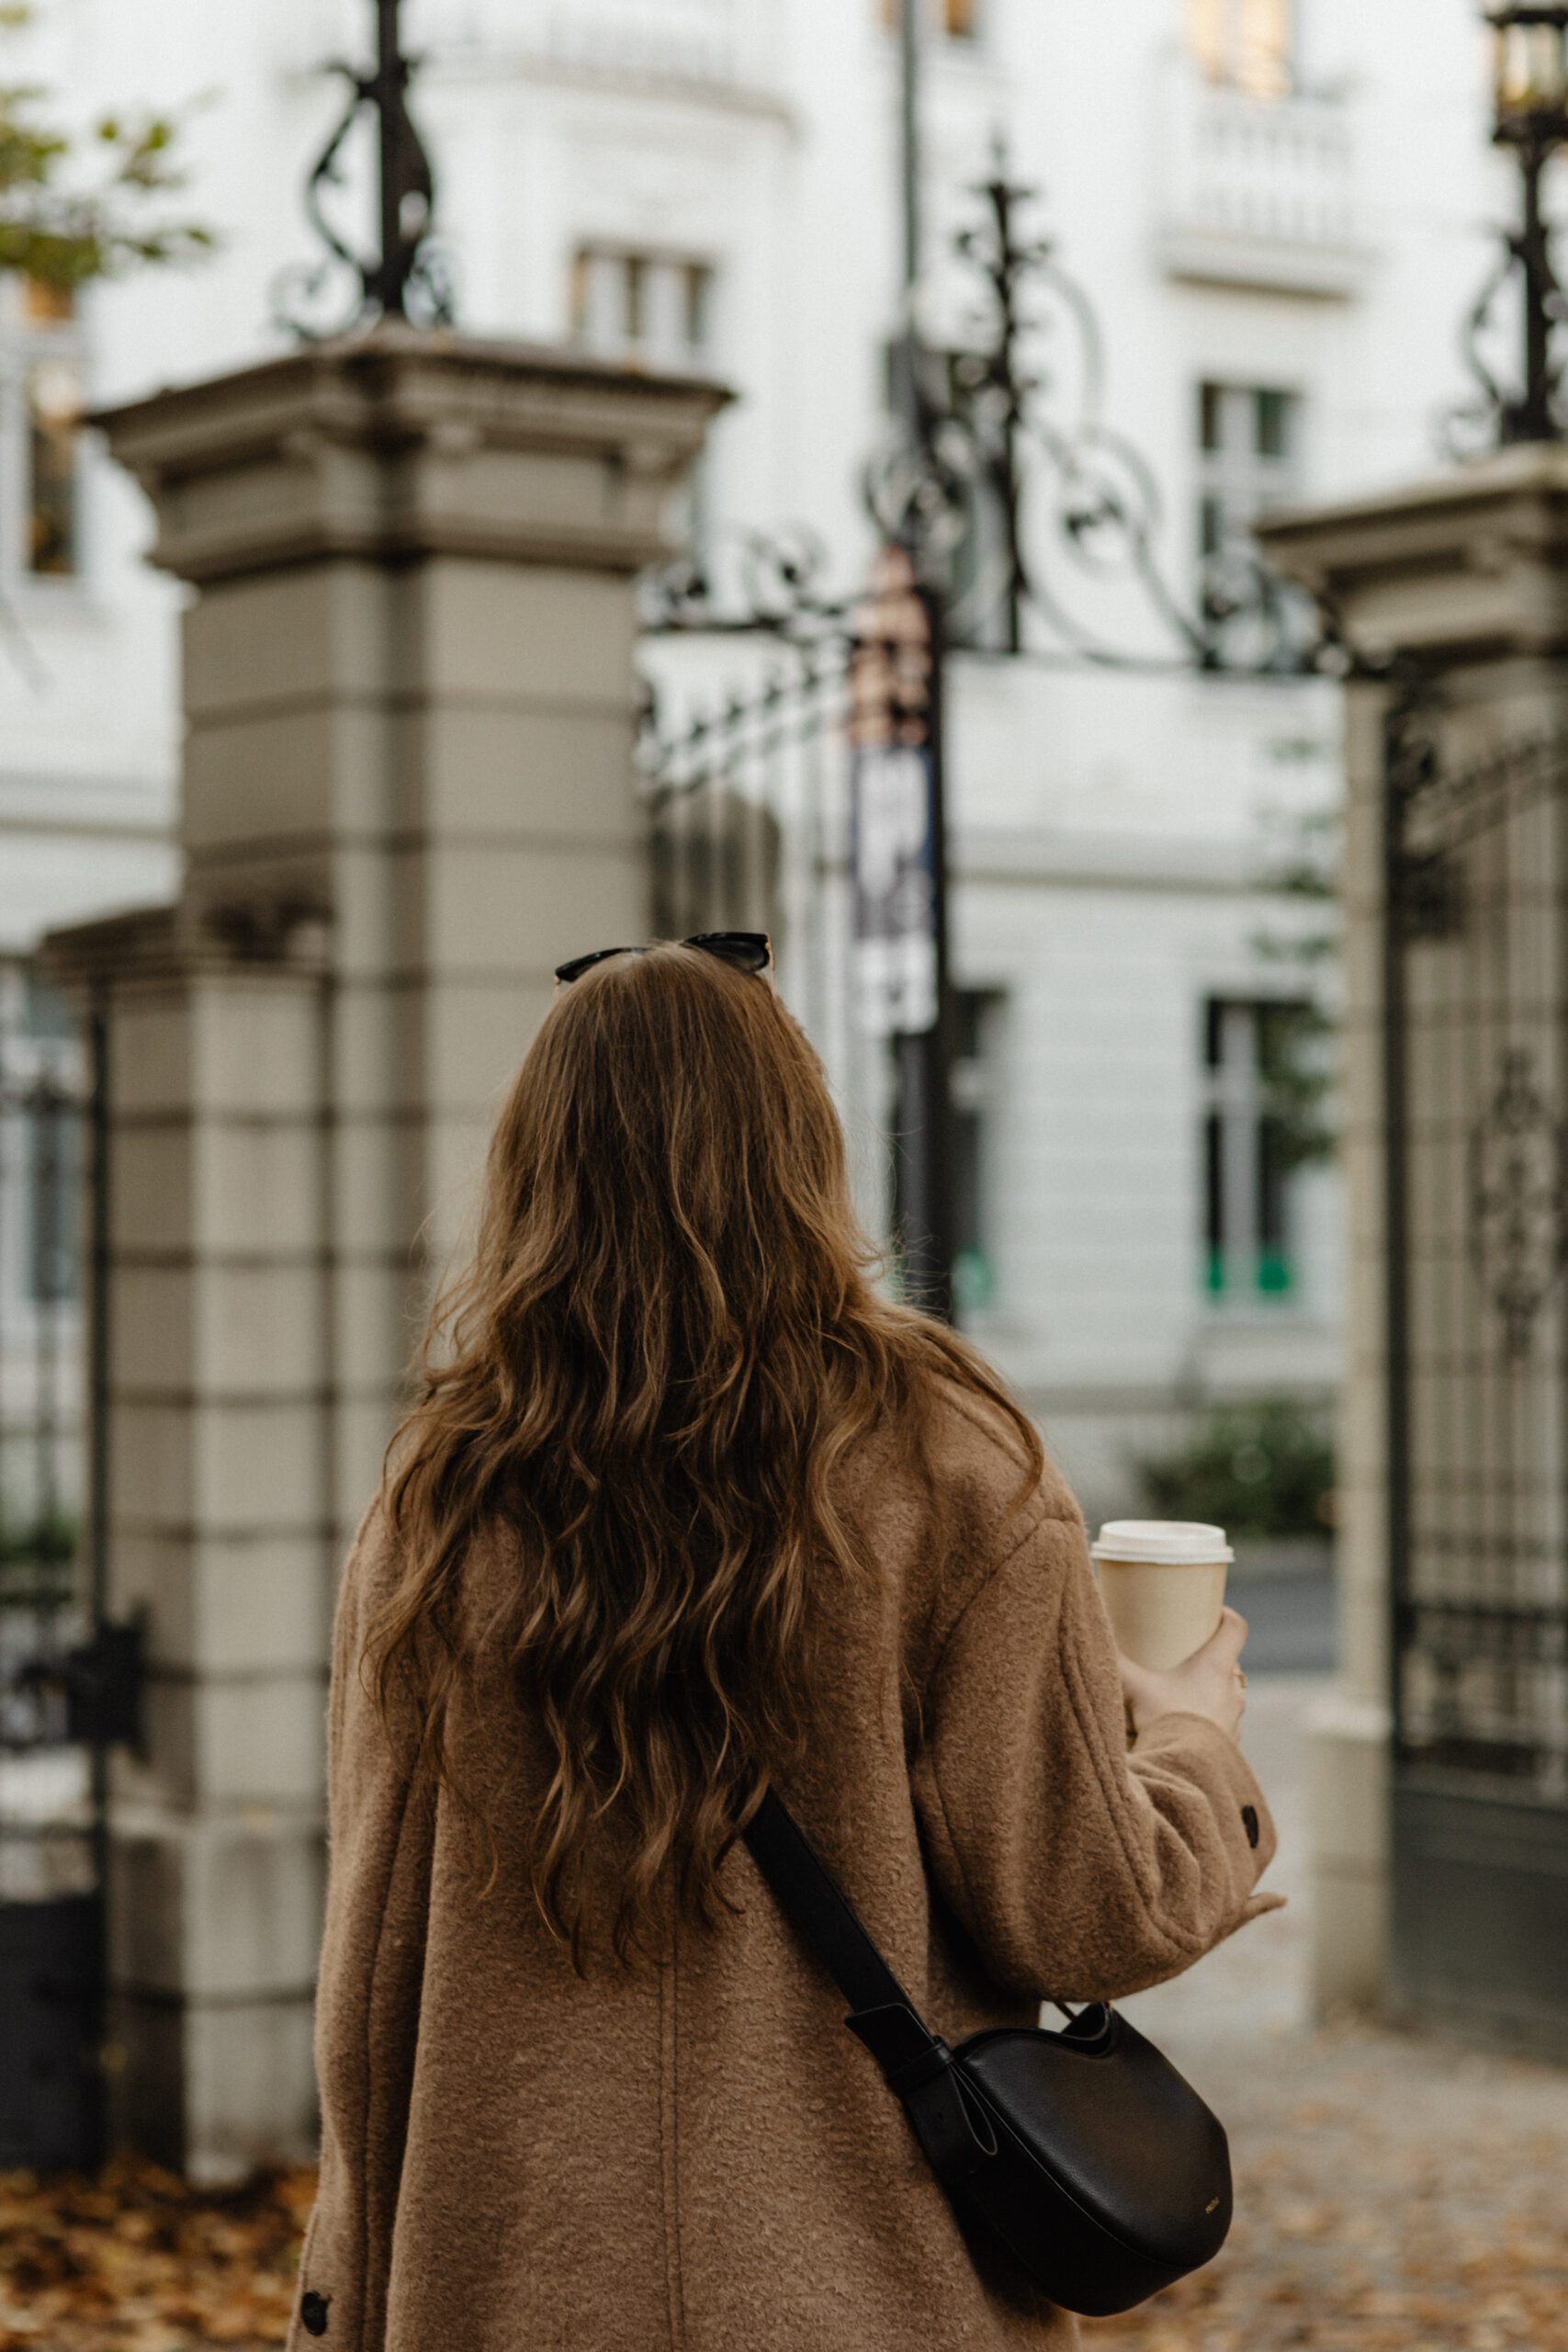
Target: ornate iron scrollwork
1015 498
746 581
408 276
1437 810
1518 1210
983 440
1422 890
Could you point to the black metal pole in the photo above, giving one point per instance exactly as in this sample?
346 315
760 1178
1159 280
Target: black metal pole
909 144
1398 718
1007 472
923 1162
1534 420
923 1156
99 1254
391 79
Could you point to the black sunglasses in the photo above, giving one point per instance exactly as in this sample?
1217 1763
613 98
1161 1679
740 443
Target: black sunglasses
748 951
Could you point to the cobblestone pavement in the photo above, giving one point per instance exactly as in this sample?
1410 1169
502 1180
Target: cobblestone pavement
1393 2194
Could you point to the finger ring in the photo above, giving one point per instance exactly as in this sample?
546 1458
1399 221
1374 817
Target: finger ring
1241 1678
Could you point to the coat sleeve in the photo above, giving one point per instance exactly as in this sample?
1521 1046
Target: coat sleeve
368 1992
1082 1870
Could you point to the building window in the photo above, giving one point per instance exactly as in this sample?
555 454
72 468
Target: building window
41 426
54 424
1247 43
960 19
40 1177
53 1190
1252 1143
974 1086
656 309
1249 437
1248 460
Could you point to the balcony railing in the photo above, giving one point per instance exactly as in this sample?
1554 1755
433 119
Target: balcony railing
1256 191
723 44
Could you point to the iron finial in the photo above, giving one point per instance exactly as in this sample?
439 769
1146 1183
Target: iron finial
407 276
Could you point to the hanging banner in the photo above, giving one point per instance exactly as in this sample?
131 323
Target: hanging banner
893 875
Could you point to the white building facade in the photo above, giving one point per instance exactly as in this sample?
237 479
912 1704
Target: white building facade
1276 208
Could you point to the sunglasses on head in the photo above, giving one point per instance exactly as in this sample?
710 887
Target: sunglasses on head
748 951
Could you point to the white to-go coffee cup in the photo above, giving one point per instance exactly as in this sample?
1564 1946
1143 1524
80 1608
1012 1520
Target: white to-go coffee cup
1164 1582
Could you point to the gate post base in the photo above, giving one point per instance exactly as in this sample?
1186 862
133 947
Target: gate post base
1346 1774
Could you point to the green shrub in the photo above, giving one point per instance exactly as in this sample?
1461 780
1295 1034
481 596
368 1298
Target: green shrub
39 1542
37 1561
1263 1469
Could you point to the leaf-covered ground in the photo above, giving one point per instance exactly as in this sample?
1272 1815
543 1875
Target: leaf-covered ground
135 2261
1393 2196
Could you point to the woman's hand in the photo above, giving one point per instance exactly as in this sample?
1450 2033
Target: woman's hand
1209 1683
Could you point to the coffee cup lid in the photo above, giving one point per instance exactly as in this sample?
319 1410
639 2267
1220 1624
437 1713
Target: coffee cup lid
1162 1542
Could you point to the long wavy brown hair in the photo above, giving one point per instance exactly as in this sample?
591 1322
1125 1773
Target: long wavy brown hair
665 1347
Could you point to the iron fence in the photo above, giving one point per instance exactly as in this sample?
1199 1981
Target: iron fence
745 773
53 1767
1476 1058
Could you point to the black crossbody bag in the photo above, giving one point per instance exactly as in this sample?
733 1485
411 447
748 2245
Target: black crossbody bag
1082 2150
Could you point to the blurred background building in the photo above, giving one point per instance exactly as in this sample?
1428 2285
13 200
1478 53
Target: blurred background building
1264 222
1273 208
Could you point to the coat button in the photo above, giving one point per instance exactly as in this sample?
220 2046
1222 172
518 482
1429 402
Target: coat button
1250 1823
313 2312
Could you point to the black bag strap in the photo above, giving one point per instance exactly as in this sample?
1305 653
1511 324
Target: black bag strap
811 1897
916 2063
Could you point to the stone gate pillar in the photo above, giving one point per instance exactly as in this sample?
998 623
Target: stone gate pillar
410 699
1442 1860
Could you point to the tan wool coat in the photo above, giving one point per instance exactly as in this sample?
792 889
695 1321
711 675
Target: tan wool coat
697 2156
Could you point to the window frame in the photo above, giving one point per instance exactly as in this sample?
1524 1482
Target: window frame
1236 481
938 20
26 345
977 1090
1238 1116
32 1056
650 283
1233 47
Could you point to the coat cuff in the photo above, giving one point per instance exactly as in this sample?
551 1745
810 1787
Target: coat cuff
324 2314
1211 1758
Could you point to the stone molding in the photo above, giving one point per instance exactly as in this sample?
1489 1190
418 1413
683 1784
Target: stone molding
373 448
1471 563
152 946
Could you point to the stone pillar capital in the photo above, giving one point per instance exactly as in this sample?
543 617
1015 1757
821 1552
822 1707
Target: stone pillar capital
1471 563
400 443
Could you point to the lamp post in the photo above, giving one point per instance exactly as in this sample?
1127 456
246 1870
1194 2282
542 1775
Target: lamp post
1529 65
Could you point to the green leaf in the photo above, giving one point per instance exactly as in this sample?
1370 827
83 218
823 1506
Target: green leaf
65 221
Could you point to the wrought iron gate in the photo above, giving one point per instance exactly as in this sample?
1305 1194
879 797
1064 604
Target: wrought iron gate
57 1654
745 795
747 786
1476 1044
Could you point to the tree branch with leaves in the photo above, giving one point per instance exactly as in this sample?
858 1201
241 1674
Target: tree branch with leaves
76 206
